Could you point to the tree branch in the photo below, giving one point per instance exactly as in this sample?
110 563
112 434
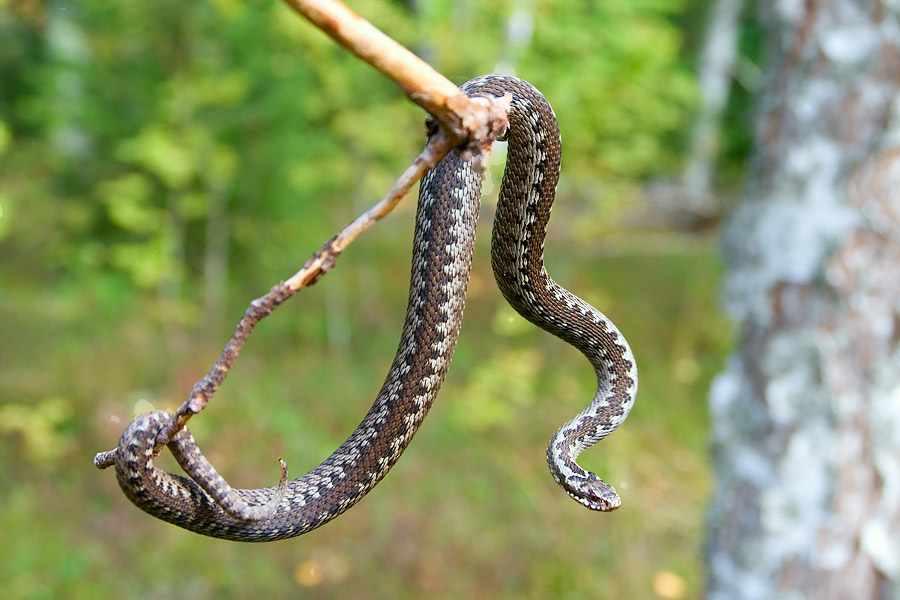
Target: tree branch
464 119
467 124
314 269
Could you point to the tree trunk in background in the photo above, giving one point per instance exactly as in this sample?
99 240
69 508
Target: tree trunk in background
806 416
717 61
215 258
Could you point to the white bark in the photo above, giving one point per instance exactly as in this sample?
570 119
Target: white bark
806 416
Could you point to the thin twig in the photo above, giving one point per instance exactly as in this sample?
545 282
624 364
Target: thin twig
314 269
464 119
317 266
468 124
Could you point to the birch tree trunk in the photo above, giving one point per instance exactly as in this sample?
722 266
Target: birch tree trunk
806 415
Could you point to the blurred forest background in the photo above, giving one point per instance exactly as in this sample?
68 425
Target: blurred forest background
162 164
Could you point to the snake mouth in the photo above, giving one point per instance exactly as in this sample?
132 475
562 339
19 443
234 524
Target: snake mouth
592 492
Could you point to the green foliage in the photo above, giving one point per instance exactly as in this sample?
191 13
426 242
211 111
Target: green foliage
625 95
163 163
40 426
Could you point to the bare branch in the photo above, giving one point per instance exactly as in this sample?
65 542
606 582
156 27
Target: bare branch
464 119
468 124
313 270
438 145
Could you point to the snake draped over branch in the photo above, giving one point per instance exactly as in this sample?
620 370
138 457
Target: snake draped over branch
449 200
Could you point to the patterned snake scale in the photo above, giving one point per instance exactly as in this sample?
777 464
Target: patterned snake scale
442 256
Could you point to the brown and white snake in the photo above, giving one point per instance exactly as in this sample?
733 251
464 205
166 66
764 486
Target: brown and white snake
449 201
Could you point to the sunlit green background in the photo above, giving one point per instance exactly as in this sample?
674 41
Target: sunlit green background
163 163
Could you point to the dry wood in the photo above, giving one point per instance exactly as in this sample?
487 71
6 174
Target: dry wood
470 125
464 119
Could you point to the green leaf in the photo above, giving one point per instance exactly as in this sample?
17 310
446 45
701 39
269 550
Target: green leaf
156 149
128 202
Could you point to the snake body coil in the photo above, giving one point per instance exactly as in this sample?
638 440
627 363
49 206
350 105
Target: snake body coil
442 256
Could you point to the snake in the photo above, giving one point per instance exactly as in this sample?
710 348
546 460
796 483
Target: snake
446 215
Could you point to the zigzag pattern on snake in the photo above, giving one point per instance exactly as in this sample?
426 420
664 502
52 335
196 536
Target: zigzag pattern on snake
448 206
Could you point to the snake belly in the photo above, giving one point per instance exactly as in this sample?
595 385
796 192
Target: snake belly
443 243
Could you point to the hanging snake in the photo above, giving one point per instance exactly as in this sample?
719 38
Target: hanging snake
449 200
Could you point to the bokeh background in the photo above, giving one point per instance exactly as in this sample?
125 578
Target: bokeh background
162 164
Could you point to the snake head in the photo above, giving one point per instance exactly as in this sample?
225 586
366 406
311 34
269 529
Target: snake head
591 491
